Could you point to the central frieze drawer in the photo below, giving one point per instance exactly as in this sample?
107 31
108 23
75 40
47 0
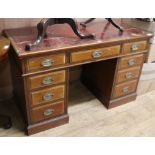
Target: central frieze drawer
125 88
47 79
128 74
46 62
47 111
95 54
48 95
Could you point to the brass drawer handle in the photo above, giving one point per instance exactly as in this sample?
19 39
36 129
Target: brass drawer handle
97 54
131 62
135 47
129 75
125 90
47 62
48 112
47 80
48 96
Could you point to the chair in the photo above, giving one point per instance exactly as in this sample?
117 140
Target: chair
5 121
44 23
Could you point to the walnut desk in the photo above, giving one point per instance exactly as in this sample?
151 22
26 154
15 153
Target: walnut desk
111 66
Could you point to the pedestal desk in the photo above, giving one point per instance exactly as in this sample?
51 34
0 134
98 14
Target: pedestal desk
111 66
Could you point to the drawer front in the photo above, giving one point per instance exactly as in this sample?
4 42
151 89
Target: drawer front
46 62
134 47
124 88
48 95
48 111
47 79
128 74
130 61
94 54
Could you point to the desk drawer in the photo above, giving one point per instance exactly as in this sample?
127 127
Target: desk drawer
127 74
47 111
48 95
95 54
134 47
46 62
130 61
47 79
125 88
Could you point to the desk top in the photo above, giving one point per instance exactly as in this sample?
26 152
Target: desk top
61 37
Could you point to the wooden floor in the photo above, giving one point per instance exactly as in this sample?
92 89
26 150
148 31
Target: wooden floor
88 117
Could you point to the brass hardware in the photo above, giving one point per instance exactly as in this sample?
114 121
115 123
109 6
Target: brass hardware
97 54
135 47
48 112
47 80
48 96
131 62
125 90
129 75
47 62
